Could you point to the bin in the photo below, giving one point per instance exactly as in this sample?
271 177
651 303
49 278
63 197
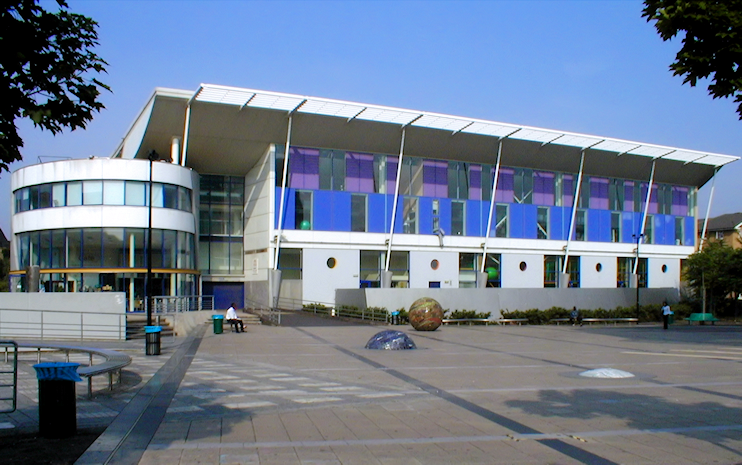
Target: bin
153 340
395 317
57 399
218 324
671 318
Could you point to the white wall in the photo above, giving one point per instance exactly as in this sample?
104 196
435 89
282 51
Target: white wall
258 215
668 278
320 281
590 277
514 277
421 272
52 316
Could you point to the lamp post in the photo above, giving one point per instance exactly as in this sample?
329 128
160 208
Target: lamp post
152 156
638 238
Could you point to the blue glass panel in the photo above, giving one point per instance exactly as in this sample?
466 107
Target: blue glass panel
627 227
558 223
475 223
517 214
399 221
530 218
598 225
690 231
289 215
340 211
379 209
322 215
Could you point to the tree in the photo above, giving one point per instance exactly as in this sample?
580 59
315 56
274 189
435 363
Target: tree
717 269
712 46
46 60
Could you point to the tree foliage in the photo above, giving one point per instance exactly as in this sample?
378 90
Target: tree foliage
717 268
46 63
712 45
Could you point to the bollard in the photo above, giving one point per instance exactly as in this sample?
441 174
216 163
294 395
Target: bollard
57 399
152 336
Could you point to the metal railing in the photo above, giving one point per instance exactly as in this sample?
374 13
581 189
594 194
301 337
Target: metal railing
345 311
9 379
272 314
186 303
61 324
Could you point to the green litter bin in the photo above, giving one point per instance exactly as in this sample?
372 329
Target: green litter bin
218 324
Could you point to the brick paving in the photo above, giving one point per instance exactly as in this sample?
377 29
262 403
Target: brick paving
310 393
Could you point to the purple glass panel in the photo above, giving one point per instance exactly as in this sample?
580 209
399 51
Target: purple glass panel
628 200
568 190
359 172
598 193
543 188
653 205
391 173
504 185
435 178
303 168
680 201
475 182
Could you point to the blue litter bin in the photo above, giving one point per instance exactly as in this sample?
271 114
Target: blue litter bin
218 324
57 404
153 338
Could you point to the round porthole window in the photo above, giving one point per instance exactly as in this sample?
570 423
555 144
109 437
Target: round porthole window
523 266
434 264
599 267
664 268
331 262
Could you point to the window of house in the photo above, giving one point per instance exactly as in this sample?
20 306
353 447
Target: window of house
615 227
409 215
580 226
542 223
679 230
303 210
501 220
358 206
289 262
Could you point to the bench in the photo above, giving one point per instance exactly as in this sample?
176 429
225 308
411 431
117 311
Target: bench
458 321
559 320
610 320
510 321
113 361
701 318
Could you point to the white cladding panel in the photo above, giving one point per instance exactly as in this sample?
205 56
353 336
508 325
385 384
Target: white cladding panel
669 277
532 274
422 272
320 281
102 216
591 277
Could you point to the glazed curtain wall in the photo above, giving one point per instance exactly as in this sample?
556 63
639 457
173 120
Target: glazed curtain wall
221 224
333 190
96 192
105 248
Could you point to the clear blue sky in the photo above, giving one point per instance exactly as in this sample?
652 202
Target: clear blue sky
593 67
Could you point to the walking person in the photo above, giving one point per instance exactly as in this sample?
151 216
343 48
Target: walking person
666 312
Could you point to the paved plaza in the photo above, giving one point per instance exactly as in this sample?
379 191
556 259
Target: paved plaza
310 393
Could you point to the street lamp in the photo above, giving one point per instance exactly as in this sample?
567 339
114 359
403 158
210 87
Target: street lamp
638 238
152 156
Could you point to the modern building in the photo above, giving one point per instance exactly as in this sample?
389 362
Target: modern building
270 195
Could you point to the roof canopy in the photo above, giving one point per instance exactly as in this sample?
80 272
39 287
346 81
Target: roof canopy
230 129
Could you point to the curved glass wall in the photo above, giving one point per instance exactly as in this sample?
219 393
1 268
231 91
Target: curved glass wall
97 192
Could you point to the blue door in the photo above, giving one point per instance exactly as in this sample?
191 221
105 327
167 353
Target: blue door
225 293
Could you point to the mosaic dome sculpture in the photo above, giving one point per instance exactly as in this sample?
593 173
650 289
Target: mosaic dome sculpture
426 314
390 340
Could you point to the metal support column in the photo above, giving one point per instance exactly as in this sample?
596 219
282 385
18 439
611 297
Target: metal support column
708 210
386 275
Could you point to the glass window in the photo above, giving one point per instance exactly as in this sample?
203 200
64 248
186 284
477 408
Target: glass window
573 268
235 257
615 227
24 250
468 267
493 269
33 195
59 198
113 192
58 248
303 210
113 246
91 248
45 249
380 174
551 270
399 265
157 249
580 226
458 216
170 196
184 199
45 196
219 220
157 195
542 223
169 249
409 215
372 262
203 254
458 182
487 175
21 200
34 248
543 188
679 230
523 186
648 230
92 192
501 220
74 193
74 248
358 212
135 193
236 190
135 248
235 220
289 262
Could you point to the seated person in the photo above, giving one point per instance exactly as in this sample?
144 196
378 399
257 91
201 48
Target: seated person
575 317
233 320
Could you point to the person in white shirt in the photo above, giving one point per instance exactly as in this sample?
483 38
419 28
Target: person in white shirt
233 320
666 312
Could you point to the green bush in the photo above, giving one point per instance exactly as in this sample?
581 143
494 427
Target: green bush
316 308
647 313
467 315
